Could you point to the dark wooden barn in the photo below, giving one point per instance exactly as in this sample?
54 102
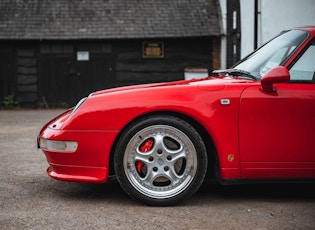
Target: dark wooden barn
54 52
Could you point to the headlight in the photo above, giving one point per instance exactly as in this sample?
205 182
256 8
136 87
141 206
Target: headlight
63 146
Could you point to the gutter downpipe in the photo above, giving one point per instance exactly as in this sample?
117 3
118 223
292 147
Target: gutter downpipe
256 25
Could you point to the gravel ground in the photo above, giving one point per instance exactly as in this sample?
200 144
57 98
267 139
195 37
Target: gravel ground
29 199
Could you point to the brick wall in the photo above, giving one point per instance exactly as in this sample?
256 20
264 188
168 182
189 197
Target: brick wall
216 53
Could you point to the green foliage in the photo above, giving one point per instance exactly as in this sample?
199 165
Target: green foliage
10 102
63 105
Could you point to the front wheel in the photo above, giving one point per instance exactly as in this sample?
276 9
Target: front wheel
160 160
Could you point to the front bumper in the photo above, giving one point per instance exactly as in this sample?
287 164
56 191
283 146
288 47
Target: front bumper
89 162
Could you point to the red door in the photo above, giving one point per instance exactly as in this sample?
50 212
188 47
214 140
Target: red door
277 132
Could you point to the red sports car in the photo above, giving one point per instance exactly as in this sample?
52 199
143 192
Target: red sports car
254 122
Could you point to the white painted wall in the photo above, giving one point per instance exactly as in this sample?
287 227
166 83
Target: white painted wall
247 26
223 37
275 16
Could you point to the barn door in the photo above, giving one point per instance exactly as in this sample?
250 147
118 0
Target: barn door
7 80
65 77
92 75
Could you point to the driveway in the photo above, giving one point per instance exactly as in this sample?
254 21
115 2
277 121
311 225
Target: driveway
29 199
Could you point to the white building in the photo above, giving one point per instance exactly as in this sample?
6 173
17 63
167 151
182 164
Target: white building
260 21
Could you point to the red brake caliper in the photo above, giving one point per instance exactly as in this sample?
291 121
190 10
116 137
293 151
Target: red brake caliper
145 147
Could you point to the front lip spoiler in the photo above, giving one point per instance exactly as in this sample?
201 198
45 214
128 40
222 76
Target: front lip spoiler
78 173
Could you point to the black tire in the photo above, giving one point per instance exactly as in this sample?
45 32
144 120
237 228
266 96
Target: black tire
160 160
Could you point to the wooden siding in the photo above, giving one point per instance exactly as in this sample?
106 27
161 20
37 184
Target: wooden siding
41 73
132 68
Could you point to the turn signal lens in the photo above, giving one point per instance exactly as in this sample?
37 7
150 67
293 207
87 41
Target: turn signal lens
63 146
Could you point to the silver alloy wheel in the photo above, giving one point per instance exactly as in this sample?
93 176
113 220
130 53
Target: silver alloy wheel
160 161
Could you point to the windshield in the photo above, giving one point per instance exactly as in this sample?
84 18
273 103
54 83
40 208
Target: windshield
272 54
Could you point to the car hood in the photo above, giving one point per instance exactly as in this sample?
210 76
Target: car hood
208 84
130 102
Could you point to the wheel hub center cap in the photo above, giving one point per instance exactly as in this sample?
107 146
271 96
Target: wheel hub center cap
160 161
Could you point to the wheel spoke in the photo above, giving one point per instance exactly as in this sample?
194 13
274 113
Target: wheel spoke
158 143
150 177
173 176
139 156
178 155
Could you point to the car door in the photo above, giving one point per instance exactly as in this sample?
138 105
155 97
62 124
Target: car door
277 130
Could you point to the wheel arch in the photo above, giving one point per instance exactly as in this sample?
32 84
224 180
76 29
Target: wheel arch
213 164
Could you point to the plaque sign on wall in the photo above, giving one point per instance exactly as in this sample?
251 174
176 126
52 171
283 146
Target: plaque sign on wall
83 56
152 49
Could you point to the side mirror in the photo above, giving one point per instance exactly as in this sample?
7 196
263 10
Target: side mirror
278 74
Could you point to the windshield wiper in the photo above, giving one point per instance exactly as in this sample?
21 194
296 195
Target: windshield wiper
234 72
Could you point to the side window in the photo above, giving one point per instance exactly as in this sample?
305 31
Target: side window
304 68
